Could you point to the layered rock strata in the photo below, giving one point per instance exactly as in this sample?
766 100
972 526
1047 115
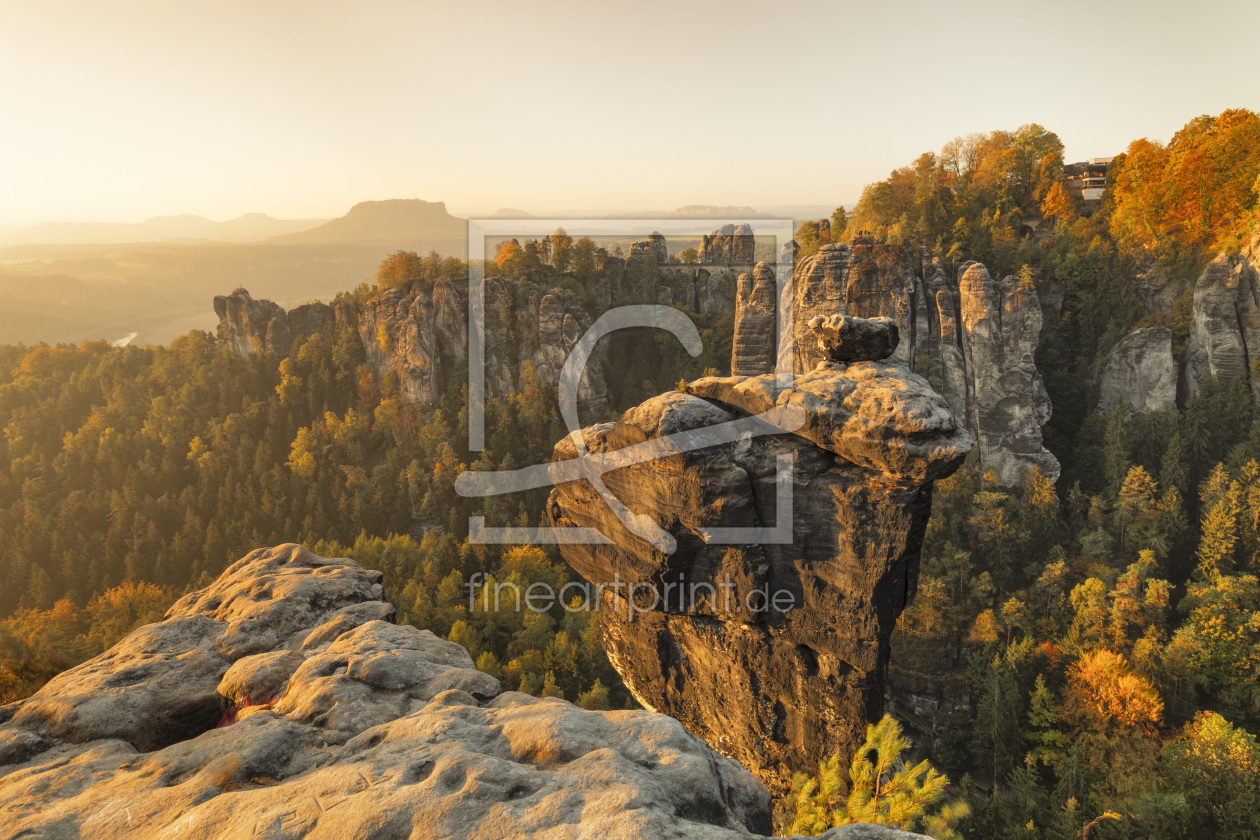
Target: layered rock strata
771 645
282 702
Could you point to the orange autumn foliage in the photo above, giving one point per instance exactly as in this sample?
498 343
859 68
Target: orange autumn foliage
1195 194
1108 690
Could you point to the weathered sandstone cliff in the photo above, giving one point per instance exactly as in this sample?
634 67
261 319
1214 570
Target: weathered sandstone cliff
1225 331
772 646
281 702
972 337
1141 373
1224 340
1006 399
730 245
421 335
259 326
755 341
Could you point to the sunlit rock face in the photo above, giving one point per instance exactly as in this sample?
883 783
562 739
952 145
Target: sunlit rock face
283 702
972 337
754 345
1007 400
772 646
251 326
882 283
730 245
819 284
420 335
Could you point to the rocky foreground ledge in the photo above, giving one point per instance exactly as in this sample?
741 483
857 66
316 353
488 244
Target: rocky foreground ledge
282 702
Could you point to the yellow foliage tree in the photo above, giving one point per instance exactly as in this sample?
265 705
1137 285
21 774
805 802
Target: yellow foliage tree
882 790
1108 690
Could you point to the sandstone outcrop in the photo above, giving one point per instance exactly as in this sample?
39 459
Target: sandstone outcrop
1007 401
561 322
730 245
844 338
259 326
643 268
420 332
755 344
355 728
881 283
773 646
1225 330
1141 373
819 283
421 336
972 337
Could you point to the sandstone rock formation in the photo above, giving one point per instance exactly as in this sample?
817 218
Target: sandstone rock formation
561 323
844 338
1225 331
730 245
259 326
1007 400
755 343
819 283
420 333
882 283
1141 373
773 648
972 337
355 728
421 336
643 268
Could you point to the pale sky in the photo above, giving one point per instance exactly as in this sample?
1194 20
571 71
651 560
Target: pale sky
122 110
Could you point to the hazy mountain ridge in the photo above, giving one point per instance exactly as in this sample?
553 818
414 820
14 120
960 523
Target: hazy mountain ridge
398 221
250 227
77 291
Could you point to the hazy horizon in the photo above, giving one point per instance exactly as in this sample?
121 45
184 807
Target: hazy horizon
141 109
